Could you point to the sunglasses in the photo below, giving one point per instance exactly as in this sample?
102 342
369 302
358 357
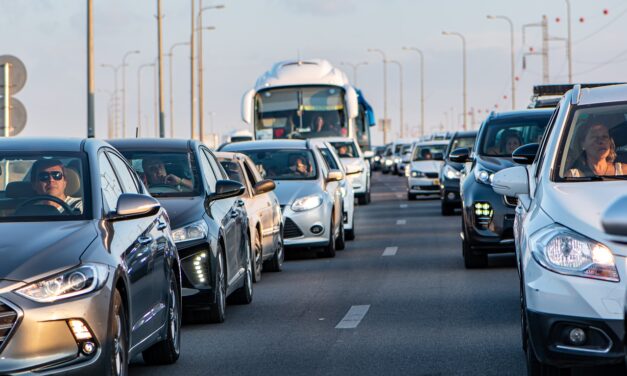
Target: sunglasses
45 176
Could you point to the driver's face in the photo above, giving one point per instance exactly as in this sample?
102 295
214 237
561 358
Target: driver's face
155 173
301 166
46 182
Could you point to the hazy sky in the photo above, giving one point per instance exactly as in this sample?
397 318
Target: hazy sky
49 37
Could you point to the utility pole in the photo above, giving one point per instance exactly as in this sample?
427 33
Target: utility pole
385 93
91 133
422 87
544 24
139 97
400 71
569 47
192 71
465 94
124 90
171 55
160 49
513 57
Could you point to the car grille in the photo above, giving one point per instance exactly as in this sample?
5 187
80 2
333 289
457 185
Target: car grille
8 318
426 187
431 175
291 230
511 201
282 208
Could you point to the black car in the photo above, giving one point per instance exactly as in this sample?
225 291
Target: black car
451 171
89 276
210 224
488 218
377 159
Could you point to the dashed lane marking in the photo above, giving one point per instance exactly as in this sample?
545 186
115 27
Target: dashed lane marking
404 206
353 317
390 251
401 222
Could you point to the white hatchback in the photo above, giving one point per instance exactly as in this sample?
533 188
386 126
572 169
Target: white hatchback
423 168
572 269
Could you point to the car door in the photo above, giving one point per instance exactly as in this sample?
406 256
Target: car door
132 242
231 213
332 189
264 204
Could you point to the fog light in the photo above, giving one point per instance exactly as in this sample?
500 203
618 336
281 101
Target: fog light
577 336
79 329
316 229
451 196
199 266
88 348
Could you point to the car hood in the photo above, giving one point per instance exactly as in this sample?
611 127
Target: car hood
31 250
183 210
426 166
495 164
352 161
580 206
288 191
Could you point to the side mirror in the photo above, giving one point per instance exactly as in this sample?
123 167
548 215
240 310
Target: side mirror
354 169
614 219
133 205
512 181
461 155
438 156
264 186
525 154
226 189
335 175
248 106
368 154
352 103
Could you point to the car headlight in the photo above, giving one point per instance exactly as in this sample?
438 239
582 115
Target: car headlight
78 281
451 173
193 231
483 176
388 162
307 203
417 174
397 160
564 251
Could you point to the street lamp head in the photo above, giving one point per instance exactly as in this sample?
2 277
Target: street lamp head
135 51
219 6
445 33
490 17
209 28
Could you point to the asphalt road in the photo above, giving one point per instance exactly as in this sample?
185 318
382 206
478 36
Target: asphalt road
414 311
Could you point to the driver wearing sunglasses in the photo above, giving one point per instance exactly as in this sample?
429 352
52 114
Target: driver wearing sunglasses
48 179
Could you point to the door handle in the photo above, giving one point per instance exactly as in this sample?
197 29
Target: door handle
161 225
240 202
234 214
143 240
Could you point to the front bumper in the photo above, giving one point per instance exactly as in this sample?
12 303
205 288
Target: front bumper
449 192
297 230
41 341
359 184
197 290
493 233
423 185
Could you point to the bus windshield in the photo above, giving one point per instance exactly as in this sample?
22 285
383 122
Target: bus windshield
300 113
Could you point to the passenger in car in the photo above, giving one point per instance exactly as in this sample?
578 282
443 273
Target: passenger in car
156 174
510 141
299 165
50 177
598 152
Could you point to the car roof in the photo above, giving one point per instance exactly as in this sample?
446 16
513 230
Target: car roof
520 113
435 142
266 144
603 94
41 143
152 144
465 134
333 139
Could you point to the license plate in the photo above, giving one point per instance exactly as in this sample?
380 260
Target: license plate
436 182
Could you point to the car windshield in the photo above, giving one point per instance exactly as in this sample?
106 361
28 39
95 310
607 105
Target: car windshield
427 152
173 174
462 142
595 146
502 136
345 149
43 187
286 164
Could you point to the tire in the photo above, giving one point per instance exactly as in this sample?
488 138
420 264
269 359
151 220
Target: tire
257 258
118 346
168 350
411 196
350 234
275 264
535 368
217 311
362 200
340 242
472 259
329 250
447 209
244 294
368 197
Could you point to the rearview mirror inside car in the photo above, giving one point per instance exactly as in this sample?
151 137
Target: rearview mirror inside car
461 155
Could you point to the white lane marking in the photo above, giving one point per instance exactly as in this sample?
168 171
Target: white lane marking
398 195
404 206
390 251
353 317
401 222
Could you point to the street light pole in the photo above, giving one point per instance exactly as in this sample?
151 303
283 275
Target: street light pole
354 67
139 97
513 57
385 92
570 44
124 90
400 71
115 90
201 97
192 72
91 133
422 87
465 95
160 66
170 55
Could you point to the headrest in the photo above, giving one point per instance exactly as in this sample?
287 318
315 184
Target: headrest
73 187
19 189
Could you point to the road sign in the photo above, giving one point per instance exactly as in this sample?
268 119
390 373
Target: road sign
18 73
18 117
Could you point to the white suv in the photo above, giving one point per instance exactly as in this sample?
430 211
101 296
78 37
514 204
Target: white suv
572 272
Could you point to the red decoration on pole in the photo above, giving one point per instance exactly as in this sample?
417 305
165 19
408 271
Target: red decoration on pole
606 12
581 19
557 19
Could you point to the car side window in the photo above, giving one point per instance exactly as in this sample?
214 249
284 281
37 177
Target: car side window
128 181
323 165
110 185
544 141
208 175
219 171
251 175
